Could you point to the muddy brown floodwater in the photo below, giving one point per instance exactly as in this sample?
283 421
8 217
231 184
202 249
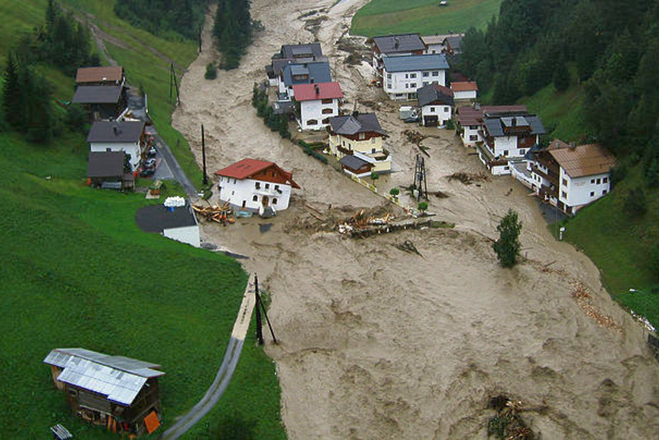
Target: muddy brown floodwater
380 343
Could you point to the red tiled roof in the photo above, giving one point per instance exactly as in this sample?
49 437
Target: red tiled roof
308 92
99 74
248 167
463 86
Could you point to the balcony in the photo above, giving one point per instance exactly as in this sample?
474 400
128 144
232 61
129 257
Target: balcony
271 192
553 179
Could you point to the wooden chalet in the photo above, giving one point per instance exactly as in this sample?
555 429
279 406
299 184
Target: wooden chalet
100 76
117 392
105 169
102 102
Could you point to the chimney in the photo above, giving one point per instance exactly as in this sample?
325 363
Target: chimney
317 89
115 129
355 113
572 145
514 121
396 42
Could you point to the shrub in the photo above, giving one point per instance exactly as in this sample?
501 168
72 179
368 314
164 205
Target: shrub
507 247
636 203
394 192
450 125
423 206
211 71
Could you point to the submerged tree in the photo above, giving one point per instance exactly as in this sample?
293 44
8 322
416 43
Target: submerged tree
507 247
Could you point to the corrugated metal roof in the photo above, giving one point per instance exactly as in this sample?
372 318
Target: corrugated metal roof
116 131
413 63
318 72
117 377
434 93
97 95
399 43
99 74
359 123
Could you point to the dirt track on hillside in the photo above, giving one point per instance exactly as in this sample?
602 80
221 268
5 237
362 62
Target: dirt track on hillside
379 343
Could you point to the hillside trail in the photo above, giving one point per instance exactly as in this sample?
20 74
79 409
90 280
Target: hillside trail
379 343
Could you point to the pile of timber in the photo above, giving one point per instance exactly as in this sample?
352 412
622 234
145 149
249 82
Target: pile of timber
361 226
414 136
469 178
215 213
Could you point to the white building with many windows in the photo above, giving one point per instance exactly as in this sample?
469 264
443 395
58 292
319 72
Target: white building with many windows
436 104
403 76
317 103
254 185
394 46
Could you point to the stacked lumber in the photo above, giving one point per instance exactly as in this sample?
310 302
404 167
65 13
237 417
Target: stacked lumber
215 213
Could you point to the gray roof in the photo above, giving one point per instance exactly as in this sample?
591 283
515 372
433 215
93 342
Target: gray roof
352 162
495 126
97 95
434 94
412 63
157 218
119 378
399 43
454 42
312 50
359 123
116 131
318 72
106 164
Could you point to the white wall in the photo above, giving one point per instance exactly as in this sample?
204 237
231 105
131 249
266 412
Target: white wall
582 190
187 234
310 110
470 135
466 94
503 144
132 149
238 191
434 49
443 112
398 83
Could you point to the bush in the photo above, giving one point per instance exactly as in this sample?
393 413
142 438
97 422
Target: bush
507 247
450 125
654 260
636 203
423 206
211 71
394 192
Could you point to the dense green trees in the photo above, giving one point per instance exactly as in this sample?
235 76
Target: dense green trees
162 17
507 247
232 31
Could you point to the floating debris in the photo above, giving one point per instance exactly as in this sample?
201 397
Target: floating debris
583 298
469 178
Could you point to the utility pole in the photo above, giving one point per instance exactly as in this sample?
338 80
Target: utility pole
172 79
200 28
203 154
420 183
259 331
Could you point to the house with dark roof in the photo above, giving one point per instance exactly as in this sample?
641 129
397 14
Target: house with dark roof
394 46
440 43
316 103
255 186
292 54
102 102
470 120
100 76
404 75
306 73
360 135
116 392
105 169
452 44
176 223
570 176
436 103
126 136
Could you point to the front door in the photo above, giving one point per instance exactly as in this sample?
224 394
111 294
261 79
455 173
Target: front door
264 200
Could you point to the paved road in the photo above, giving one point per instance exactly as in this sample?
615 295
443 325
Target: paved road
172 164
224 374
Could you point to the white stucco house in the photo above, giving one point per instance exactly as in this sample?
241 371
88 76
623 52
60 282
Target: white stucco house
571 176
178 224
403 76
464 90
254 185
317 103
126 136
394 46
302 73
436 103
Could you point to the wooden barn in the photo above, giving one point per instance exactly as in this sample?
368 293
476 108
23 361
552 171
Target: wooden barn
117 392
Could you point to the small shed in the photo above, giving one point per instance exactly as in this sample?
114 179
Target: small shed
105 169
355 166
178 224
113 391
103 102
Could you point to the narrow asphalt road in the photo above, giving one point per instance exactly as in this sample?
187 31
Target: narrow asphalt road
173 164
224 374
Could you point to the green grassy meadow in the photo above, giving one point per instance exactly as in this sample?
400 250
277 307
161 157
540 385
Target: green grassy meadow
382 17
77 272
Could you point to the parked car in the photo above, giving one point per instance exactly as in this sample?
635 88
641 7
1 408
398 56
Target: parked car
147 172
149 163
413 118
151 152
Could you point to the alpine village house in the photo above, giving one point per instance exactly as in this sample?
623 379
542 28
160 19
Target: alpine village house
316 103
113 391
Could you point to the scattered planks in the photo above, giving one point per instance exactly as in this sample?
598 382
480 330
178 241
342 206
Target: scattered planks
469 178
215 213
583 298
361 226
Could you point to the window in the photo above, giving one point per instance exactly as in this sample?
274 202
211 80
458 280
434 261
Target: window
473 137
425 83
108 150
327 101
407 86
432 109
362 136
446 109
599 181
505 152
412 75
388 75
372 150
413 85
435 74
233 193
388 85
406 76
564 194
255 199
234 181
426 73
372 140
257 185
604 192
274 201
276 187
312 122
564 182
344 143
73 393
605 180
522 151
267 186
592 180
328 111
325 121
592 193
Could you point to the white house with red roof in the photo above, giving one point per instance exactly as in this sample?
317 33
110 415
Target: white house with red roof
255 186
316 103
464 90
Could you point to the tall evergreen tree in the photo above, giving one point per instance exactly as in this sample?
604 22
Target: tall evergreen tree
561 76
11 94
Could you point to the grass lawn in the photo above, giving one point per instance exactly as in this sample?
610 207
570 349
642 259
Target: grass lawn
18 18
77 272
619 246
382 17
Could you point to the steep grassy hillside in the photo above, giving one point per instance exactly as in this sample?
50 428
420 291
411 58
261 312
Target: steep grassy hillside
382 17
